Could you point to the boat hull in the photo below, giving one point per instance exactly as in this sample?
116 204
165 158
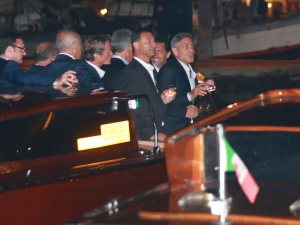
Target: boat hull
279 40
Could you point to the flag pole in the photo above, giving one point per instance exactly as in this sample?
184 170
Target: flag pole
222 173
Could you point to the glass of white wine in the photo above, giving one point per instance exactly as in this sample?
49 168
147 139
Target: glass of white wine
171 90
200 78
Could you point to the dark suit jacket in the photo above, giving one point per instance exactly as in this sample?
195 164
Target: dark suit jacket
12 72
135 79
87 76
3 80
115 65
173 74
60 65
112 71
36 69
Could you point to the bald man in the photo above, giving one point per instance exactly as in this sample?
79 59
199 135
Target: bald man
68 45
45 53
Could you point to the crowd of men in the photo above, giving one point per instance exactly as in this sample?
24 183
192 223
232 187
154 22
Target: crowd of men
130 61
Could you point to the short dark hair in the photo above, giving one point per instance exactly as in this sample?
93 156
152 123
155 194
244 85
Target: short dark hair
94 44
44 51
167 45
120 39
7 41
136 36
178 37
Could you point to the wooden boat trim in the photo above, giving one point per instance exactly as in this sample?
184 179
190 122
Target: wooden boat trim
263 129
269 98
58 104
207 217
54 172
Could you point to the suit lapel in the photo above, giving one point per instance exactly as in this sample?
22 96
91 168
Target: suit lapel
183 75
146 74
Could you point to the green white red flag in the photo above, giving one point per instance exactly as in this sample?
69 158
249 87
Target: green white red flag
245 179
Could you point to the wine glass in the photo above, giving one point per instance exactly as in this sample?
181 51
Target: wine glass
200 78
171 90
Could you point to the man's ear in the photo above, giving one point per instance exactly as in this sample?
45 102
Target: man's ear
135 45
9 49
168 54
175 51
95 55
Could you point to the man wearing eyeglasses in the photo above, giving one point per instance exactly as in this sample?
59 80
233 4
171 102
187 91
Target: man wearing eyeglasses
12 51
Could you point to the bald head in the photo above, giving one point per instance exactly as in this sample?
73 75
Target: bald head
68 42
45 53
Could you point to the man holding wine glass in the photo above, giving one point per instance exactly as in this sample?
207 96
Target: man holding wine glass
179 74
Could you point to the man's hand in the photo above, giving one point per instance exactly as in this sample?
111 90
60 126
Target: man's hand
68 79
168 95
12 97
199 90
210 85
68 91
191 112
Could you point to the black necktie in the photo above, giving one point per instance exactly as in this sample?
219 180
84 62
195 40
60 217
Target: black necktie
155 74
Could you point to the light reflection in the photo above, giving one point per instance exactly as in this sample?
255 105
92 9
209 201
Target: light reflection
99 163
270 5
102 12
231 105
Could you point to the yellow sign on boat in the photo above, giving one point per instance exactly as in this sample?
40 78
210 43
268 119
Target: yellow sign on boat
110 134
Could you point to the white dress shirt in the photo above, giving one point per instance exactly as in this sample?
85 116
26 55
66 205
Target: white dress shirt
100 72
191 75
148 67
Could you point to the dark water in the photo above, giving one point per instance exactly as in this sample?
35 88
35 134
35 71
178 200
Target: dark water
240 88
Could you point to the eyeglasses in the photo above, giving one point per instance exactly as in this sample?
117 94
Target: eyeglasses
22 48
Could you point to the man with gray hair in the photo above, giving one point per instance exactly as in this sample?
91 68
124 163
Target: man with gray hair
122 55
178 73
69 47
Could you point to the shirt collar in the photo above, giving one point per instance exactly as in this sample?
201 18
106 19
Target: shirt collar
67 55
187 68
4 57
147 66
121 58
99 71
157 69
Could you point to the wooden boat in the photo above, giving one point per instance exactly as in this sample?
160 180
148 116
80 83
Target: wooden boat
257 41
63 156
264 131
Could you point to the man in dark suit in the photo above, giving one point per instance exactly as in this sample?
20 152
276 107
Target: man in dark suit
122 55
12 50
138 78
69 47
96 52
178 73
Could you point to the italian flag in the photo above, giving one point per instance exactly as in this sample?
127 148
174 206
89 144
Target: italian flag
245 179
